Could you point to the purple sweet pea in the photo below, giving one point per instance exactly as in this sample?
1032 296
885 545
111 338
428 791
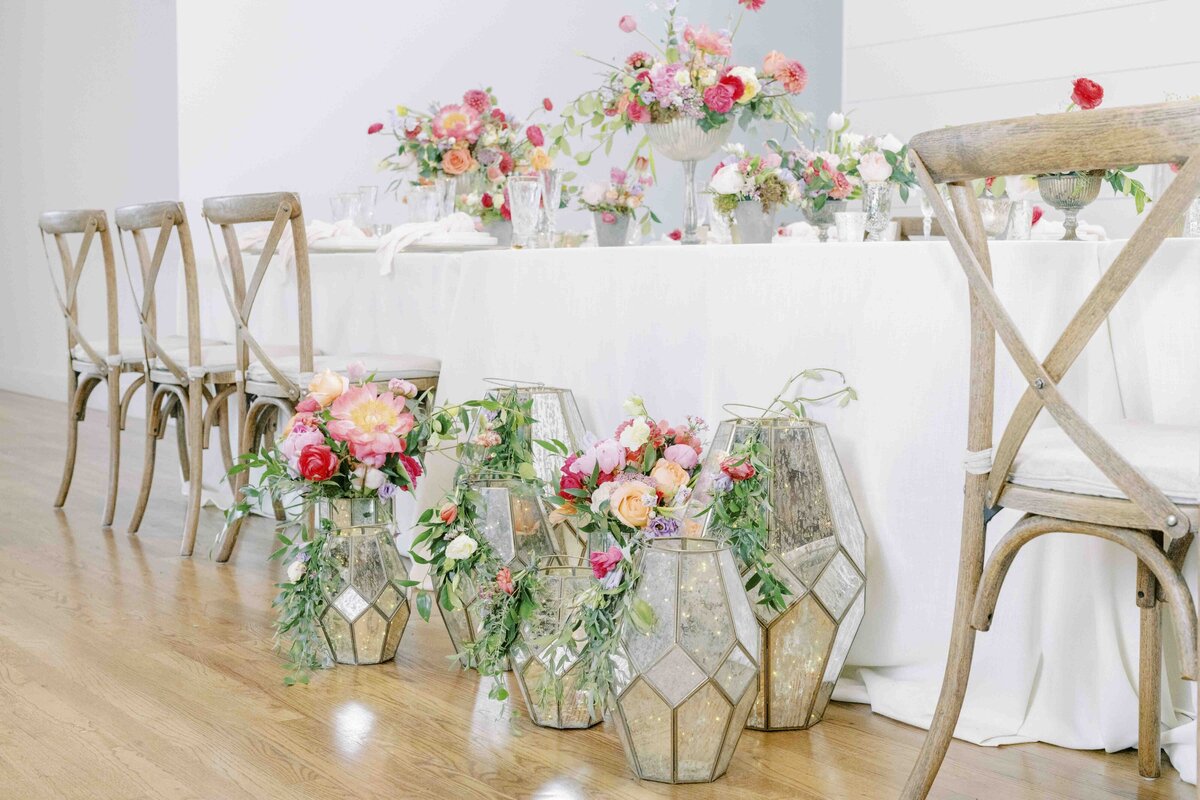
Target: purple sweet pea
663 526
387 490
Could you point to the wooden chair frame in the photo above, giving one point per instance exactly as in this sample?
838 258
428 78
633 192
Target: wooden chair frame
85 374
1157 530
172 389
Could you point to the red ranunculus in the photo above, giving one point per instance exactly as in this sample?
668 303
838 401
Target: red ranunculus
376 127
498 115
603 563
1037 214
675 235
412 467
719 98
486 200
546 104
534 134
1087 93
505 213
569 479
505 163
735 84
317 462
738 469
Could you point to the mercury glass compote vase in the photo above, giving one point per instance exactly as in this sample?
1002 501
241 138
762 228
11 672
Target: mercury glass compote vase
877 205
1070 193
816 546
547 676
822 218
682 139
367 601
683 690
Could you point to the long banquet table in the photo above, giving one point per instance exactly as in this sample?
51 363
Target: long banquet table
693 328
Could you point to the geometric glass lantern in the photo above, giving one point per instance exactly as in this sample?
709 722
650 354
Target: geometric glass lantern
512 518
367 602
683 690
817 548
553 700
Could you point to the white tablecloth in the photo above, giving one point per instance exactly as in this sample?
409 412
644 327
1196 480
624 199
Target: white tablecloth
693 328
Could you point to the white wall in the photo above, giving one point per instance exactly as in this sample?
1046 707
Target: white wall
87 120
913 65
278 95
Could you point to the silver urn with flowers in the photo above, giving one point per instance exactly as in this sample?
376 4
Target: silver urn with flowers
683 139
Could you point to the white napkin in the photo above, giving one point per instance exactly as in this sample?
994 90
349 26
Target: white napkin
313 231
1052 229
403 236
799 232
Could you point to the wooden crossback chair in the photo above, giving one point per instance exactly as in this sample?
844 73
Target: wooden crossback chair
89 363
191 382
1130 508
272 379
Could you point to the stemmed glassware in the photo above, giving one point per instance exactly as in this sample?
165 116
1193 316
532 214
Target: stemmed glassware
552 184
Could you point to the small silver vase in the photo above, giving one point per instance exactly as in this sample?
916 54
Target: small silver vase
822 218
682 139
611 234
877 204
753 224
1070 192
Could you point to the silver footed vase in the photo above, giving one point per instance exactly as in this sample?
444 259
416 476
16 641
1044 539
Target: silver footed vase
682 139
1070 192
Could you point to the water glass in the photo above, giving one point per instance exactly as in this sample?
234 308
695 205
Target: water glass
524 197
851 225
926 213
367 197
344 205
552 185
424 203
1020 223
447 193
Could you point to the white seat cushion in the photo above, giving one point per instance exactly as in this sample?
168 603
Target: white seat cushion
131 346
1168 455
223 357
384 367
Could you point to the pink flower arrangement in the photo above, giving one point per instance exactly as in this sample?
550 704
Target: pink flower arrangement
622 195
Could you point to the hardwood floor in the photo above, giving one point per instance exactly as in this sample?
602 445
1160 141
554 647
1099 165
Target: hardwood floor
129 672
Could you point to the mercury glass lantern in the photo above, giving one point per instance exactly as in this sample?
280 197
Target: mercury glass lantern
547 676
367 602
683 690
513 519
817 546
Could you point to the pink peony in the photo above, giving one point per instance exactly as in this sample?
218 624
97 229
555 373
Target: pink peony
682 454
460 122
603 563
376 127
356 370
793 76
371 422
719 98
707 41
608 455
477 99
402 387
300 437
627 23
534 134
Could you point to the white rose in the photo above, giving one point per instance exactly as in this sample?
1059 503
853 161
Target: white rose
296 570
602 493
706 77
728 180
874 167
750 78
891 144
593 194
836 121
684 78
368 477
461 548
636 435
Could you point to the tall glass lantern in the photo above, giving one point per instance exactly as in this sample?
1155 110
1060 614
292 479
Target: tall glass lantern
683 690
817 546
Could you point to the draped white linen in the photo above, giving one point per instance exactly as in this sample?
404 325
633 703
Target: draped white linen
693 328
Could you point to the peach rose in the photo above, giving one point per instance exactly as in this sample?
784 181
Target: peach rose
457 161
773 61
540 159
327 386
631 503
668 476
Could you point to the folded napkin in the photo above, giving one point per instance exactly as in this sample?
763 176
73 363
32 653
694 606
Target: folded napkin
313 231
403 236
1051 229
800 232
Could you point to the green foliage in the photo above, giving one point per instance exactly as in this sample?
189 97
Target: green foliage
504 611
299 605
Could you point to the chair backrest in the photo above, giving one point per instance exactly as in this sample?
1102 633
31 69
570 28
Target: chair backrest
164 217
1085 140
282 210
90 223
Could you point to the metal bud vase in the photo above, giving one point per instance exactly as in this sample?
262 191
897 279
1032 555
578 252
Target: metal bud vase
822 218
753 225
611 234
367 601
683 690
682 139
513 520
1070 192
817 546
553 700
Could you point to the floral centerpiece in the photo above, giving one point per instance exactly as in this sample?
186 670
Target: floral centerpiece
615 202
750 190
350 439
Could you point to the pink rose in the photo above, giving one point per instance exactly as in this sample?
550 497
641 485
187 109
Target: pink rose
308 405
608 218
504 581
735 84
637 112
738 469
627 23
402 387
603 563
841 186
534 134
719 98
682 454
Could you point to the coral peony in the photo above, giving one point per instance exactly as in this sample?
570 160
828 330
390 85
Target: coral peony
317 463
719 98
603 562
1086 93
477 99
535 136
307 405
459 122
376 127
373 423
627 23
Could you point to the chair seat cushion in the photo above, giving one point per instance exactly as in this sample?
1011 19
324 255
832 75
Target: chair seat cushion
131 346
223 357
1168 455
383 367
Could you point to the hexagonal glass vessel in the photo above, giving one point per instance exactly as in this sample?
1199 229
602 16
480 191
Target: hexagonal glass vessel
684 690
513 520
556 417
367 607
553 701
817 547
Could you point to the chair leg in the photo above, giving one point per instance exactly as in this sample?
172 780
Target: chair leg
270 426
1149 676
227 538
114 445
64 485
225 422
962 646
179 414
151 449
194 418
